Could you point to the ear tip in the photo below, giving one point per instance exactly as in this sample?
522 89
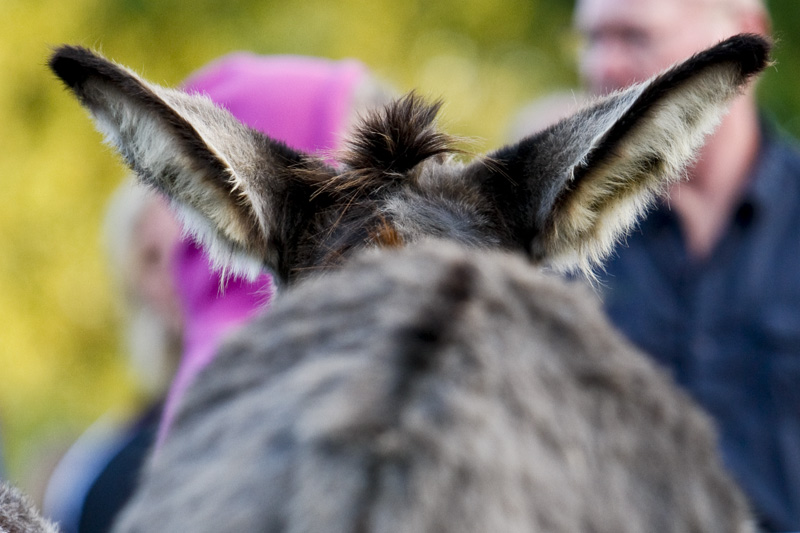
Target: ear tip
70 64
751 51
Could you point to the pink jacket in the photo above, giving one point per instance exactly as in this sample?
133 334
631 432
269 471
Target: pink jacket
305 102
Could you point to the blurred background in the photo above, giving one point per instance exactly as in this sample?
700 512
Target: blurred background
61 363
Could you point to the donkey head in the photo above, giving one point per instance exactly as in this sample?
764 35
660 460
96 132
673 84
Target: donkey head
562 196
358 403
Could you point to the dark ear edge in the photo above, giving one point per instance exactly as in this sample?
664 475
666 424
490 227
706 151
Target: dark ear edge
749 51
76 66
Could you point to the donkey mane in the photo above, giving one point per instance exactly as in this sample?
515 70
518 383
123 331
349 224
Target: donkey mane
383 150
391 141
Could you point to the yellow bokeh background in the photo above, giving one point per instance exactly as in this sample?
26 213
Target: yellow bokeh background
61 362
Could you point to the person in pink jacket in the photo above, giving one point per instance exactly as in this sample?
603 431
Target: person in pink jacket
308 103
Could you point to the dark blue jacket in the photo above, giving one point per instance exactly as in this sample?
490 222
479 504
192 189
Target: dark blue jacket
728 328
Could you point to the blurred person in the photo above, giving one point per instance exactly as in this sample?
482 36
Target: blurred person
308 103
709 284
97 475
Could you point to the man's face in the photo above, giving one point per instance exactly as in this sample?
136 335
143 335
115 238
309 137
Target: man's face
628 41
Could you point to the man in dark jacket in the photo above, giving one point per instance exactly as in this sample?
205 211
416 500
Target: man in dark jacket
710 283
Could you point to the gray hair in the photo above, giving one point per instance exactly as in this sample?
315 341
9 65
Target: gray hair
151 345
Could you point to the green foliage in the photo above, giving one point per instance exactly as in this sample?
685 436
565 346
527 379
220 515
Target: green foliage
778 90
60 360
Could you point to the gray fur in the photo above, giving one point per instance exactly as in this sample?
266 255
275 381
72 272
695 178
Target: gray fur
435 389
444 386
18 515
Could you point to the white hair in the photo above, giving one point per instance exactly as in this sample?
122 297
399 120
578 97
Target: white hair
152 346
126 206
739 5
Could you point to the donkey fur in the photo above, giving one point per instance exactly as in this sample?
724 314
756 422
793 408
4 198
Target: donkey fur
435 387
18 515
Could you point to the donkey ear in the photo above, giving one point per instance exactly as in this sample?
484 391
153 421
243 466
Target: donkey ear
229 182
576 187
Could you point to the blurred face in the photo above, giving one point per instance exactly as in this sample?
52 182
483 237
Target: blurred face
628 41
156 234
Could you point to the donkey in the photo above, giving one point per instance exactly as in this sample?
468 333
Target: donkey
431 379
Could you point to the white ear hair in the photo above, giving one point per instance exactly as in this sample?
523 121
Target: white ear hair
225 256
